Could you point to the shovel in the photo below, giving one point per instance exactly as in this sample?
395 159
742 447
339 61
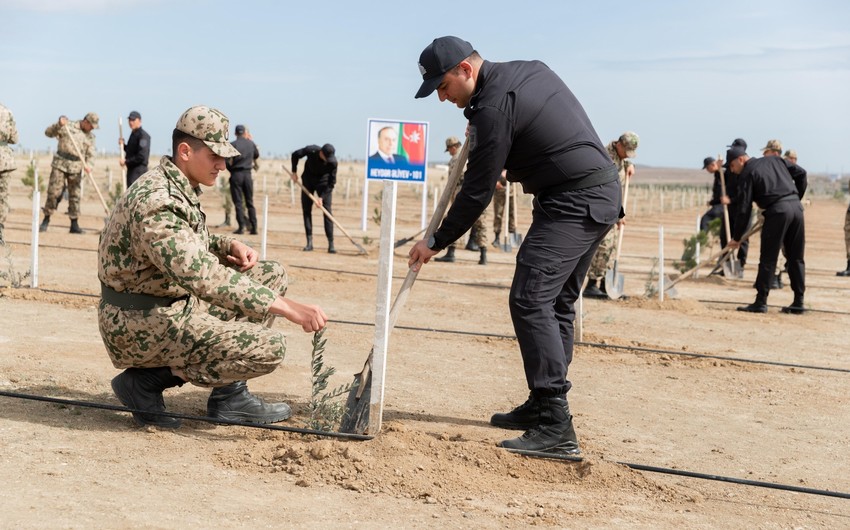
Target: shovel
516 237
506 243
406 240
731 266
614 280
357 405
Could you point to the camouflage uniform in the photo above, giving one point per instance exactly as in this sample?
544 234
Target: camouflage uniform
67 168
499 199
478 232
156 242
8 135
603 255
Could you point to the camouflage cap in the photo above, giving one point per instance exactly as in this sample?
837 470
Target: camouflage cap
790 154
209 125
773 145
452 141
629 141
92 118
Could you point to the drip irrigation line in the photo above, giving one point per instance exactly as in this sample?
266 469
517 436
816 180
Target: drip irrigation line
808 310
614 346
206 419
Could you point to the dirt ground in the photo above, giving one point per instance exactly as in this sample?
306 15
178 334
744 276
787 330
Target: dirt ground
435 463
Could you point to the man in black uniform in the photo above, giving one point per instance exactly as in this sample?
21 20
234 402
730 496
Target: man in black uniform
319 176
718 200
138 149
776 185
241 181
522 117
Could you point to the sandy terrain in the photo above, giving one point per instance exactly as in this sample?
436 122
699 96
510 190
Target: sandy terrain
435 464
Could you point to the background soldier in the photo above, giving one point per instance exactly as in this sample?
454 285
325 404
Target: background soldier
319 176
66 168
138 149
8 135
241 181
180 304
619 150
500 199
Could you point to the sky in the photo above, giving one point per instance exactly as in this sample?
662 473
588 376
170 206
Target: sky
687 76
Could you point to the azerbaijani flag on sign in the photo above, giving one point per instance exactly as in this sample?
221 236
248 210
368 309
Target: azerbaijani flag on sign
412 143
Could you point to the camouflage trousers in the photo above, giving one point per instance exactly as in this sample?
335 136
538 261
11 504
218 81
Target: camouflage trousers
226 200
5 177
58 181
499 212
478 232
210 345
847 232
603 255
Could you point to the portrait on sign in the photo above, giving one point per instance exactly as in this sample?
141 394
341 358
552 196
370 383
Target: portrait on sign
397 150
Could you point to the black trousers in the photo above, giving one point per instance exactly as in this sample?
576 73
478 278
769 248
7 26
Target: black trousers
566 230
783 227
307 210
242 184
133 173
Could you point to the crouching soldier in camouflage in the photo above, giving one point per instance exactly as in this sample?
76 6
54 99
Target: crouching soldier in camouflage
180 304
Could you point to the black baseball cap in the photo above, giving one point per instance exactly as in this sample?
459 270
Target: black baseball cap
706 161
443 54
240 129
329 150
134 115
734 152
739 142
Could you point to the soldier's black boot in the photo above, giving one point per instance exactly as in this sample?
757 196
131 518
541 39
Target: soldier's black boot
331 249
141 389
592 291
309 246
759 306
496 240
75 227
796 308
43 226
554 432
845 272
522 418
449 257
234 402
483 259
239 231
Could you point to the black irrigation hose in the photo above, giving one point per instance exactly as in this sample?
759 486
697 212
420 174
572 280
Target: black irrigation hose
361 437
104 406
829 311
614 346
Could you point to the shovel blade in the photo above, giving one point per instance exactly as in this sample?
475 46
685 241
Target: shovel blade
614 282
732 269
356 418
506 245
670 291
516 239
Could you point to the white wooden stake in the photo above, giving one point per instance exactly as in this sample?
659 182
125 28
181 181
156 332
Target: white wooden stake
660 263
264 237
36 200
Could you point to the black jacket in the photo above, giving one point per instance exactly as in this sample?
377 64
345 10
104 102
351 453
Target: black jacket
766 181
523 118
318 175
248 152
137 151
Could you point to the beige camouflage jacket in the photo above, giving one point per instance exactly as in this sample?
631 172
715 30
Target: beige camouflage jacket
156 242
8 135
66 157
622 163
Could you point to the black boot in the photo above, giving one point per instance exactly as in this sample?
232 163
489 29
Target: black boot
471 245
796 308
234 402
309 246
496 240
449 257
776 282
845 272
141 389
239 231
331 249
759 306
522 418
483 259
592 291
554 432
75 228
43 226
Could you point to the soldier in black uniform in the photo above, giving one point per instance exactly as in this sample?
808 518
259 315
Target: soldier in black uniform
522 117
137 151
776 185
319 176
241 181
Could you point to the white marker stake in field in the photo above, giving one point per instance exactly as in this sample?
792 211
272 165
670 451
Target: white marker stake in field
382 306
661 263
36 200
264 238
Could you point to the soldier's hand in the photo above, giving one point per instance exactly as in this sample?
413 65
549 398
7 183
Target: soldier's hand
122 162
63 120
242 256
630 171
310 317
419 254
725 200
294 176
87 169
